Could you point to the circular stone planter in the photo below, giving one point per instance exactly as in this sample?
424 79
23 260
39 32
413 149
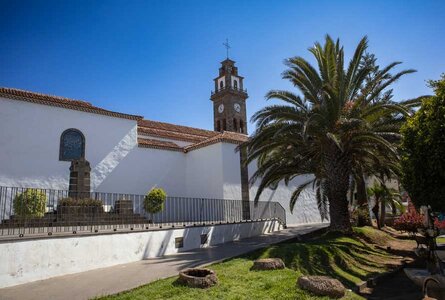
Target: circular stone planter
268 264
198 278
322 286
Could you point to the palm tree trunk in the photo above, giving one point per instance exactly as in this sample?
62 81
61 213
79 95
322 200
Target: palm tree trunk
362 201
382 213
338 211
375 210
337 174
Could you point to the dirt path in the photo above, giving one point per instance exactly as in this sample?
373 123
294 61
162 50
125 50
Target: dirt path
395 287
398 286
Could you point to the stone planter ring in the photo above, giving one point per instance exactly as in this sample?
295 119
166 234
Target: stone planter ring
198 278
268 264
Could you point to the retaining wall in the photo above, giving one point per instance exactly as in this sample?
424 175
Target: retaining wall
30 260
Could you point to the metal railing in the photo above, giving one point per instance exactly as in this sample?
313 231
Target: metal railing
30 212
231 88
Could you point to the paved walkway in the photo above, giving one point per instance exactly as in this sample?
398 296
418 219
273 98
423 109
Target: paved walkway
111 280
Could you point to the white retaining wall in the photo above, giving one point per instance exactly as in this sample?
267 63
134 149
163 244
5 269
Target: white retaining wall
31 260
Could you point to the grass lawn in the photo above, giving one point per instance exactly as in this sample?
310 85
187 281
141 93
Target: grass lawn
350 259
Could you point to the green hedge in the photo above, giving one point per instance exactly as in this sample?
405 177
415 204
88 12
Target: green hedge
30 203
154 200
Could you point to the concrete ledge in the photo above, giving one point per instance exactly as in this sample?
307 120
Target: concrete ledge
30 260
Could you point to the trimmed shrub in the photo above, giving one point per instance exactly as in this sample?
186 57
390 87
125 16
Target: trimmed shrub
154 200
30 203
80 202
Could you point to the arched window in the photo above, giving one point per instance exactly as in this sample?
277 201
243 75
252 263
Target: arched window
224 127
241 126
218 125
72 145
235 84
221 84
235 125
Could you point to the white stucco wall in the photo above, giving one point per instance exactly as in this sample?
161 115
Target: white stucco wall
144 169
30 135
305 210
204 175
27 261
231 172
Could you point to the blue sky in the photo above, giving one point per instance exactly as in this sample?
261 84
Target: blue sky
158 58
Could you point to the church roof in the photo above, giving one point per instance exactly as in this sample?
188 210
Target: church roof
57 101
157 144
198 138
177 132
225 136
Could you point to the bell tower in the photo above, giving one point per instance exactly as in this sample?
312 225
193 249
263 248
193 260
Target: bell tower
229 114
229 99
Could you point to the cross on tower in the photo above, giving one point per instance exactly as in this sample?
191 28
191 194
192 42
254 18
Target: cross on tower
226 44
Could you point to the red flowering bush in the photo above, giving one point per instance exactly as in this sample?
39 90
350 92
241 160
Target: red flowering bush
409 222
439 224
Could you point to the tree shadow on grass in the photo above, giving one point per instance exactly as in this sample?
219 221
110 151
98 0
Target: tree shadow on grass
346 259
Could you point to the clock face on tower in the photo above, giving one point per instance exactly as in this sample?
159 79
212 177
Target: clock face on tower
221 108
237 107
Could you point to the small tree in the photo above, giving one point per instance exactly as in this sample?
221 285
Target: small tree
30 203
154 201
383 196
423 148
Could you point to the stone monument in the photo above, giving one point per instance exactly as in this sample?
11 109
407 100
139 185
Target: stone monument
79 186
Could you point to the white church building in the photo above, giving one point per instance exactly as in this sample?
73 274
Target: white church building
129 154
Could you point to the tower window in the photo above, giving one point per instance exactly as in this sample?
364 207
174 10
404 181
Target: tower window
235 125
241 126
235 84
221 84
224 125
218 125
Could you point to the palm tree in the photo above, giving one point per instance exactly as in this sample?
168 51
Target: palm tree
327 134
383 197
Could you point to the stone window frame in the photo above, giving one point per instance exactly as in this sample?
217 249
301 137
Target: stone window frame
61 143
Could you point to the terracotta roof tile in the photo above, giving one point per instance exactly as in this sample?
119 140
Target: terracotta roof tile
57 101
157 144
170 134
225 137
177 128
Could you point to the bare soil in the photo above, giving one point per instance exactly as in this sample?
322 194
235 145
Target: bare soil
397 286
